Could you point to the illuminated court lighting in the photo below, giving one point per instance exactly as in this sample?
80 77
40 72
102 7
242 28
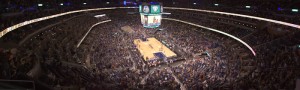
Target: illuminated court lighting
166 13
102 15
216 4
84 3
61 4
40 5
248 6
215 30
294 10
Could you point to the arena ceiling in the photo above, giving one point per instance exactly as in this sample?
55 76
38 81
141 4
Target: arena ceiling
230 3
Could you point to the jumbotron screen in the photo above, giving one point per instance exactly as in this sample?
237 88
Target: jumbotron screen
151 21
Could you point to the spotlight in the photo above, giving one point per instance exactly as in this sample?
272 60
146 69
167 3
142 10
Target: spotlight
294 10
248 6
40 5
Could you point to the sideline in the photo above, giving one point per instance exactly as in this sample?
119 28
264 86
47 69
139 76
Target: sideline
90 30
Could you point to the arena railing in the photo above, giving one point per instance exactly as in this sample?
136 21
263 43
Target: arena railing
14 27
239 15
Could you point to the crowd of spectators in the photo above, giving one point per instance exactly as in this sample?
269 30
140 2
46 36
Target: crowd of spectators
50 48
131 68
108 59
272 50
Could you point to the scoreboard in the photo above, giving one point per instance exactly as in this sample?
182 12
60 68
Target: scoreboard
151 21
150 14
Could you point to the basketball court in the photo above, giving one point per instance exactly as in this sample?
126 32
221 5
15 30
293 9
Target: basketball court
152 49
